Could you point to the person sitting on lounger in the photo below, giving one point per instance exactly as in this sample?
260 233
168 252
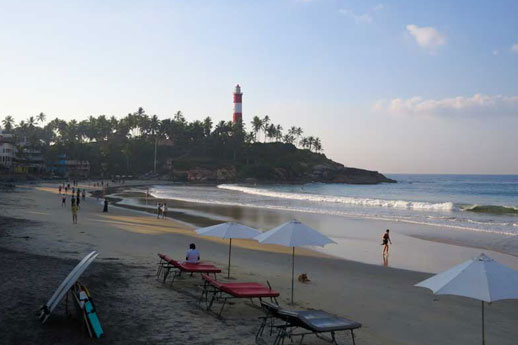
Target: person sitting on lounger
193 255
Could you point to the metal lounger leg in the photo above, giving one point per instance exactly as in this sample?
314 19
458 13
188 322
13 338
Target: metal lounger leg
261 327
222 306
176 274
333 338
212 300
166 273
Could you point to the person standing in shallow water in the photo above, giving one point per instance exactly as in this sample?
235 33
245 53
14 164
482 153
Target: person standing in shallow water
74 213
386 240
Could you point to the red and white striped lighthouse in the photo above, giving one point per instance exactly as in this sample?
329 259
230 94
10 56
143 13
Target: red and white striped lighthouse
238 107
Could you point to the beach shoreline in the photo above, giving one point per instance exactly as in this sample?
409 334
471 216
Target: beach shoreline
358 236
383 299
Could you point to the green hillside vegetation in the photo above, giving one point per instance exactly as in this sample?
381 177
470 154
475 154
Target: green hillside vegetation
128 146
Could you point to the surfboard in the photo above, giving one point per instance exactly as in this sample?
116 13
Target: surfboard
80 306
89 308
63 288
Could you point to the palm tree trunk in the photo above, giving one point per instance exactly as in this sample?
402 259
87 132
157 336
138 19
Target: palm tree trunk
154 162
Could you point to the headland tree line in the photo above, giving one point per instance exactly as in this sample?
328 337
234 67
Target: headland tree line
196 151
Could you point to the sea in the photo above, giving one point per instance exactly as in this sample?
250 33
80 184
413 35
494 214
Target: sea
477 203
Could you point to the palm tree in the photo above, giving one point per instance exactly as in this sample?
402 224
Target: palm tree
8 123
41 117
317 144
31 121
207 126
304 143
266 125
298 133
179 117
257 124
154 126
278 133
311 142
271 131
288 139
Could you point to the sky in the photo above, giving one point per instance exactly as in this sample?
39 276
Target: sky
394 86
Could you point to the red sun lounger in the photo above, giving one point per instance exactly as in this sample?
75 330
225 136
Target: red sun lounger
166 265
225 291
304 322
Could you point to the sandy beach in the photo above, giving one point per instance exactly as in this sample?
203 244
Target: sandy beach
39 245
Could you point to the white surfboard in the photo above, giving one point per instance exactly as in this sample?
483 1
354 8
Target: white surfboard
63 288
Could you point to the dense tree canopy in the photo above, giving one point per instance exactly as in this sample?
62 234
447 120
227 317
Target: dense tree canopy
128 145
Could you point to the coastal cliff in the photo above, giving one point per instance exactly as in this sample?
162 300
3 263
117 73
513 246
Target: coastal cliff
274 163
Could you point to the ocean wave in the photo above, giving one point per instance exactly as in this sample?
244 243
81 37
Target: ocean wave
398 218
491 209
399 204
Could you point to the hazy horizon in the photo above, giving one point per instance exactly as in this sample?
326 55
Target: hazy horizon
398 87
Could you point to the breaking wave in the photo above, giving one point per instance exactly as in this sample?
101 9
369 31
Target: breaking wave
399 204
503 210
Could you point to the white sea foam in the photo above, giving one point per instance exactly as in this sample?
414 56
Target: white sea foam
399 204
166 195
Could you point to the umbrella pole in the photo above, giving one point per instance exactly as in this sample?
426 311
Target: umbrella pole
229 255
483 330
292 272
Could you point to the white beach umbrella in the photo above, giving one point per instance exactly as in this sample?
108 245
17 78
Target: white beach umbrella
480 278
229 230
294 234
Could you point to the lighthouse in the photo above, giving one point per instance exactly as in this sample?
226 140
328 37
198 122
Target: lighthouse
238 107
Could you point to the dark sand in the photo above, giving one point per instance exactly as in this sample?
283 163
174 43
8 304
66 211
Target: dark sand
42 246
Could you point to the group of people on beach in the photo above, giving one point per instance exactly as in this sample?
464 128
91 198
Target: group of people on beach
161 210
76 194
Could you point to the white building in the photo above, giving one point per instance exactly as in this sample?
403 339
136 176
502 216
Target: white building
7 150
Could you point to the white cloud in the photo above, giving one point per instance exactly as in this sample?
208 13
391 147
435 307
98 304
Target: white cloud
479 104
378 7
496 52
358 18
426 36
514 48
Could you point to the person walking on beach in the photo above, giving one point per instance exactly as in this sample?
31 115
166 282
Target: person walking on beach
64 201
158 210
105 209
193 255
164 211
386 240
59 189
84 195
78 200
74 214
